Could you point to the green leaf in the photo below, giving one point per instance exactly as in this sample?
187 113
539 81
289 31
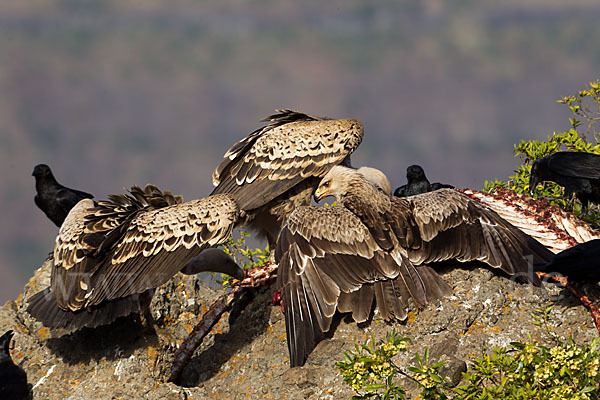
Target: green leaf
374 387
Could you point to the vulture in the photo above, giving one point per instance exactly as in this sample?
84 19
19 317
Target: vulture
418 183
13 379
577 172
579 263
54 199
110 255
377 178
276 168
375 248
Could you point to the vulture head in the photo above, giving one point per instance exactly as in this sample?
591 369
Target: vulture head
341 180
214 260
538 174
377 178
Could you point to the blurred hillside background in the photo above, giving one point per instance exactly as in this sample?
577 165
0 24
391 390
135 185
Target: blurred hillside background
116 93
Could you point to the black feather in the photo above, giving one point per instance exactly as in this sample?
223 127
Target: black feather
579 263
13 379
577 172
418 183
54 199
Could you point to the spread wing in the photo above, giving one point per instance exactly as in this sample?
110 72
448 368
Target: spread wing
445 224
327 252
273 159
575 164
124 246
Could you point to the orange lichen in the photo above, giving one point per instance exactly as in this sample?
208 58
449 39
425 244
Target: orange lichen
505 309
475 326
495 329
43 333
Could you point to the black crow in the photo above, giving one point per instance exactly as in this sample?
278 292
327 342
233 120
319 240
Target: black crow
13 380
578 263
54 199
418 183
577 172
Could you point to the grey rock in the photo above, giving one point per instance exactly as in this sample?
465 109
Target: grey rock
303 377
248 358
452 369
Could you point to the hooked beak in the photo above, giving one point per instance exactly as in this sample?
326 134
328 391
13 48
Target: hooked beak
319 194
533 182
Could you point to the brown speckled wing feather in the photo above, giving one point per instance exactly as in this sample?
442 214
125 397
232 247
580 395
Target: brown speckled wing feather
327 252
135 248
273 159
445 224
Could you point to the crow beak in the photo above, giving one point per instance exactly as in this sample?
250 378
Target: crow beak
533 182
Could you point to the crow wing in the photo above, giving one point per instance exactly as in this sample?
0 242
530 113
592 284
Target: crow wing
580 262
575 164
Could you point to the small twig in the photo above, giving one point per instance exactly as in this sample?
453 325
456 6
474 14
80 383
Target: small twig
255 277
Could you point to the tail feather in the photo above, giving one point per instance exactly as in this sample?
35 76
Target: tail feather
435 286
44 308
388 303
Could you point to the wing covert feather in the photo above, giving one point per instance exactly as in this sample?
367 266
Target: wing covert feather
138 251
275 158
445 224
326 255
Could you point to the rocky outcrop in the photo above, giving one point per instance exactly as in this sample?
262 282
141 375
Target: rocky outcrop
245 355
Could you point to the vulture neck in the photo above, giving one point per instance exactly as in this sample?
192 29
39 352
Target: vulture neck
362 195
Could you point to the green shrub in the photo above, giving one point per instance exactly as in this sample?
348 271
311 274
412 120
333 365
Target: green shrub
242 254
584 105
520 371
369 369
